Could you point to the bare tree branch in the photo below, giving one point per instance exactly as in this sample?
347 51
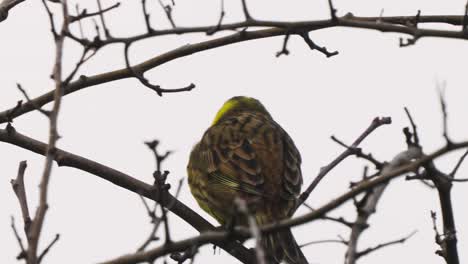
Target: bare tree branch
168 11
377 122
67 159
139 76
455 169
36 225
368 206
84 13
386 244
220 21
274 28
5 7
22 253
103 21
46 250
20 191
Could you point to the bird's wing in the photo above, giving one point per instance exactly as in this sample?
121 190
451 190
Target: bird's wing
252 154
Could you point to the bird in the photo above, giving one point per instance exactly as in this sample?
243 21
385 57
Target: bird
246 155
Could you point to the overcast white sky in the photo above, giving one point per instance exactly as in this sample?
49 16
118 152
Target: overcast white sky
311 96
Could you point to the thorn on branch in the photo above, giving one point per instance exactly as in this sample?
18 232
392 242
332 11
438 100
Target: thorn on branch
284 50
314 46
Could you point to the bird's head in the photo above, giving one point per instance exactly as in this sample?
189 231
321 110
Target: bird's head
239 104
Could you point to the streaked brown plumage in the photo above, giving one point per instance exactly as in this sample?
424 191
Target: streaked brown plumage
246 154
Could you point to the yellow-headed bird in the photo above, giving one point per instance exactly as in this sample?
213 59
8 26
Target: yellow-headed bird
246 154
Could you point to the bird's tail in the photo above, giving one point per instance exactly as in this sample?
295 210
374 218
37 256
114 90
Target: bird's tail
280 246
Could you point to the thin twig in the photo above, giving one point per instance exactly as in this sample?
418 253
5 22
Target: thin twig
127 182
139 76
358 153
22 253
270 29
47 249
118 178
103 21
367 206
443 106
284 50
5 7
340 219
146 16
314 46
245 9
386 244
377 122
455 169
465 18
38 220
84 14
20 191
80 24
168 11
332 11
25 94
415 136
339 241
220 21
